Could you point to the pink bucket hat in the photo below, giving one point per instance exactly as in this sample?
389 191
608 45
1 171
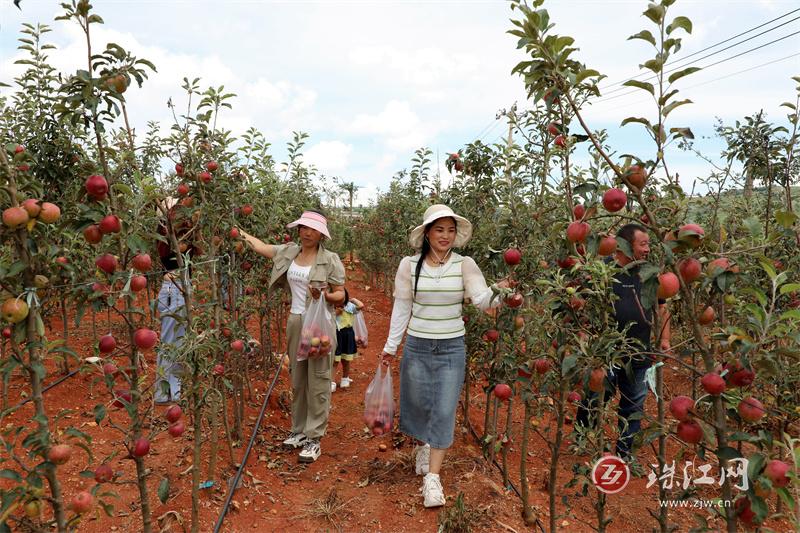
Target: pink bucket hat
312 220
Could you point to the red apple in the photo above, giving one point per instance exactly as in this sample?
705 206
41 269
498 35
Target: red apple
637 176
574 397
560 141
554 128
212 166
59 454
237 345
49 213
597 379
107 344
103 474
183 189
15 217
219 369
61 260
614 200
512 256
577 231
502 391
707 316
247 210
110 224
739 376
713 383
107 263
142 262
176 429
83 502
179 169
174 413
689 431
776 472
681 407
18 149
721 264
567 262
607 246
110 369
141 447
542 365
234 233
578 211
32 206
492 335
668 285
145 338
750 409
121 398
7 332
205 177
690 269
92 234
97 187
138 283
691 234
515 300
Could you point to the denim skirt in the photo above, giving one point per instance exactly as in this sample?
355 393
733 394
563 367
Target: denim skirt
431 379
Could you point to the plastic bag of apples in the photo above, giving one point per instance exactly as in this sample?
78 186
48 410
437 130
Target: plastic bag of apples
360 329
318 331
379 403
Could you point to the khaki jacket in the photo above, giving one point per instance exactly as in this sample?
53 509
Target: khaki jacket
328 267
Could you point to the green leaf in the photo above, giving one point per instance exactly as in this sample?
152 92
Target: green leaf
99 413
680 22
753 225
675 76
10 474
655 13
790 287
645 36
742 436
682 132
641 85
786 219
568 364
638 120
792 313
727 453
163 490
654 65
670 107
587 73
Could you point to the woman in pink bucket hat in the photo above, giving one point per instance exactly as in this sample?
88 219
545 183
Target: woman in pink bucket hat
308 270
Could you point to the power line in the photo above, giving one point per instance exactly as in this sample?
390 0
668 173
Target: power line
719 78
605 99
720 43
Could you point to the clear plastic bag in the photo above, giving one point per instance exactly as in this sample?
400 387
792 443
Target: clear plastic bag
360 329
319 331
379 403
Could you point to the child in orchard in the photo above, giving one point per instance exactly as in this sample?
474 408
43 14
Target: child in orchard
346 348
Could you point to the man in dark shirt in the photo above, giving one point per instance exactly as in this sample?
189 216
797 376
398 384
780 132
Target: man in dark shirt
628 311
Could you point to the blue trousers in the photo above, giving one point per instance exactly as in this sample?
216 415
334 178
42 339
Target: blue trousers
633 391
171 308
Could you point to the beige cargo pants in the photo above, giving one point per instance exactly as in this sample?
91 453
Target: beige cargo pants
311 385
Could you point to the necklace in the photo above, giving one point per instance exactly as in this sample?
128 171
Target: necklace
440 270
443 260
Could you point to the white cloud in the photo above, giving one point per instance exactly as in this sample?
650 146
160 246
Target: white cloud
329 157
397 123
423 66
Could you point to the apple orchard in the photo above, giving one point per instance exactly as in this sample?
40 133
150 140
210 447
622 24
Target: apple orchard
83 197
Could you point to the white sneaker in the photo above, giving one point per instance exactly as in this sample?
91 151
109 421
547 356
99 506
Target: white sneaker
310 452
345 383
295 440
333 386
423 459
432 490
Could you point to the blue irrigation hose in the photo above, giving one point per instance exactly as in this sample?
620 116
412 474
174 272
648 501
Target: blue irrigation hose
243 463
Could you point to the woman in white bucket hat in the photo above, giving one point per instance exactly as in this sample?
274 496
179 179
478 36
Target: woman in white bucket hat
309 271
429 290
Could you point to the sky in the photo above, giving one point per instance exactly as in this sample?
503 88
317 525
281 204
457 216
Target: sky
372 81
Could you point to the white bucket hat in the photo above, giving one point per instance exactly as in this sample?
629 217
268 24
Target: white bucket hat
312 220
437 211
